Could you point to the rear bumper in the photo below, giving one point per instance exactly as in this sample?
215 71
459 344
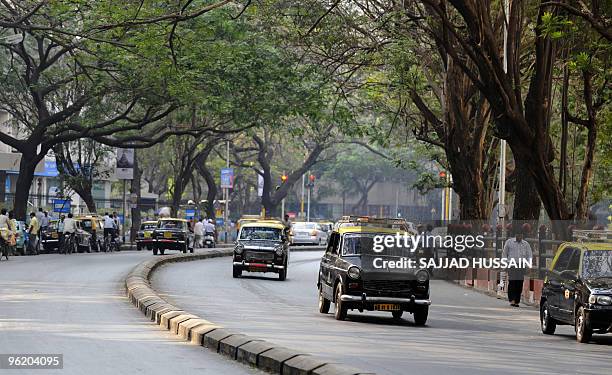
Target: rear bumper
169 244
305 240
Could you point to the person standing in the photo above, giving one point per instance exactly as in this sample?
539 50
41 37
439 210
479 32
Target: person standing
5 232
516 249
33 230
198 231
44 221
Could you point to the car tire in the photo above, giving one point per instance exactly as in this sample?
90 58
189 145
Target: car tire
162 251
420 315
191 250
154 251
236 272
397 314
583 331
138 247
282 275
185 249
339 307
324 303
547 323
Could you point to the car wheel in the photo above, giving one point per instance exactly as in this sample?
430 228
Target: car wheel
397 314
162 251
339 308
324 303
282 275
420 315
185 249
154 251
237 272
138 247
547 323
583 331
191 250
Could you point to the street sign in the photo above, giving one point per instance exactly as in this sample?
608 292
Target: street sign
219 221
124 169
190 213
227 178
62 205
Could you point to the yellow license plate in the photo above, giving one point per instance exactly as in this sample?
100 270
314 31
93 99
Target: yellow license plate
53 235
387 307
167 234
147 234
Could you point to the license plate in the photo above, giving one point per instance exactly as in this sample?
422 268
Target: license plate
387 307
147 234
167 235
53 235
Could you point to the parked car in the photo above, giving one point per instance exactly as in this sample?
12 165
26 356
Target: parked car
172 234
144 236
94 225
308 233
578 290
49 238
349 278
83 237
262 246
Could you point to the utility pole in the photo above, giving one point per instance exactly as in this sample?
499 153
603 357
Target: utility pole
226 193
302 200
501 202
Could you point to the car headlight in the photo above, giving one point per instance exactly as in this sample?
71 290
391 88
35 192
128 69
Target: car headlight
422 276
600 300
279 250
239 249
354 272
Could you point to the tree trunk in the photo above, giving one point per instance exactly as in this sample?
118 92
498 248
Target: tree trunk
527 202
135 189
27 166
84 191
587 173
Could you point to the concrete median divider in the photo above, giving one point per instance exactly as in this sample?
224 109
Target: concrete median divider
251 351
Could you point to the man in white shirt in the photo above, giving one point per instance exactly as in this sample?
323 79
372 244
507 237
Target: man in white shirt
198 231
109 225
209 227
69 225
518 249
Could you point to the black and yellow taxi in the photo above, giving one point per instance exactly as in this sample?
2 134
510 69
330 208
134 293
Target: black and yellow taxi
49 237
172 234
578 290
352 274
92 224
144 236
262 246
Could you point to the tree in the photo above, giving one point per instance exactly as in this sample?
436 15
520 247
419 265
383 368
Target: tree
88 70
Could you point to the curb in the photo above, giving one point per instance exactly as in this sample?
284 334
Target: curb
245 349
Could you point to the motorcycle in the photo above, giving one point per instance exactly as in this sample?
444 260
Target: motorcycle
209 240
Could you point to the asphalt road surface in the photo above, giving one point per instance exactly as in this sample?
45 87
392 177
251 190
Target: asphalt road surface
76 305
467 332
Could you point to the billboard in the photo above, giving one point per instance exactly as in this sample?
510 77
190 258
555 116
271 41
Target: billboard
124 169
227 178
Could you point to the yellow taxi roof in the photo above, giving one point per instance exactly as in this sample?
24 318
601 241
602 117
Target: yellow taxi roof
172 219
369 229
149 222
264 224
590 245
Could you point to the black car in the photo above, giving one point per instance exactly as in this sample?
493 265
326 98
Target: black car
351 276
49 238
144 236
578 290
172 234
262 246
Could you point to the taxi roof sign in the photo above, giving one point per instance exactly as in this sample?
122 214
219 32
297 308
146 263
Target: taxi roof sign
583 235
383 222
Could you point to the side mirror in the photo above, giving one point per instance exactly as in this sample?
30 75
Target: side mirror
569 275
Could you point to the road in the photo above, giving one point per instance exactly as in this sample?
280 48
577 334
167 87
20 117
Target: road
467 332
76 305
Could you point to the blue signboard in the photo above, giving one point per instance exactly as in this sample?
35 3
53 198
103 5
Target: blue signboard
227 178
61 205
190 213
219 221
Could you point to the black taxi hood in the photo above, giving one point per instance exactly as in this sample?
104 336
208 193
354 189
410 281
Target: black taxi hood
600 285
259 244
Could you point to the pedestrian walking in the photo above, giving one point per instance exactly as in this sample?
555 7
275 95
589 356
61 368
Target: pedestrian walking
33 230
39 215
198 231
12 241
516 249
44 221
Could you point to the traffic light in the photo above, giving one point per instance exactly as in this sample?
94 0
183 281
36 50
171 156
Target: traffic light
284 178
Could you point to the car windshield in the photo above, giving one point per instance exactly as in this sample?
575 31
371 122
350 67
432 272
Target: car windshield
261 233
304 225
171 224
147 226
597 263
363 244
86 224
